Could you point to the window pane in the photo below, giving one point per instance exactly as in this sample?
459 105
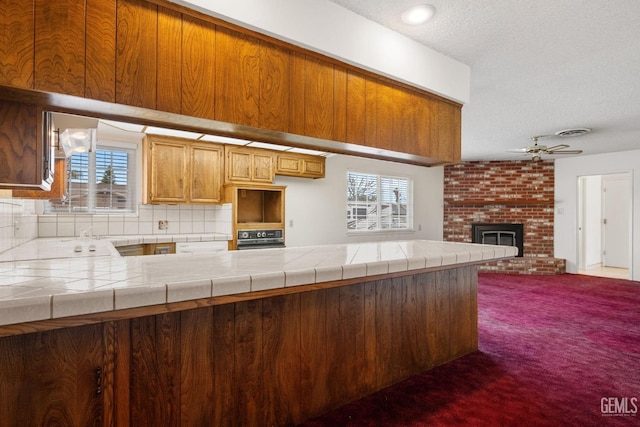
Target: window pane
99 182
77 183
111 180
377 202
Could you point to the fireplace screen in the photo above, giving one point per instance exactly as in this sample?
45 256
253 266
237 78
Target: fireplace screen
498 234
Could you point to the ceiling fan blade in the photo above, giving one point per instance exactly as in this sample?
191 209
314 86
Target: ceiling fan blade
566 152
557 147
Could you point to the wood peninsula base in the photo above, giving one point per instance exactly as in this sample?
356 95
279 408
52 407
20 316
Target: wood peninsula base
272 360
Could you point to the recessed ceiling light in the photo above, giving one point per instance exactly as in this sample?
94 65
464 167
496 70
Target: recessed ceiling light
418 14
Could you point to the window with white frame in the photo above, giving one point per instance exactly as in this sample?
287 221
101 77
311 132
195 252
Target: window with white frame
102 181
376 202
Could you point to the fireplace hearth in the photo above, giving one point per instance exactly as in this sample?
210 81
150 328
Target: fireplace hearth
504 234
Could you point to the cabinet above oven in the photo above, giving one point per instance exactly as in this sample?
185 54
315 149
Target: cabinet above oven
256 207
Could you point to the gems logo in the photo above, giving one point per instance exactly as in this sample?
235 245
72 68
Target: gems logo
619 406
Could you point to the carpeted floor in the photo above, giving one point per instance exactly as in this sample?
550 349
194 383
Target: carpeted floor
554 351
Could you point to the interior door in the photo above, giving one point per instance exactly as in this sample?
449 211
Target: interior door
616 195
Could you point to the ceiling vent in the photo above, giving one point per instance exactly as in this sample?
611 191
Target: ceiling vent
573 132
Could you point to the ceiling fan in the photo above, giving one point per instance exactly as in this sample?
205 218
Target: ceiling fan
536 151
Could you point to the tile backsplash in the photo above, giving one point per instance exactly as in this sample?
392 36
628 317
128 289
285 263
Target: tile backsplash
180 219
18 222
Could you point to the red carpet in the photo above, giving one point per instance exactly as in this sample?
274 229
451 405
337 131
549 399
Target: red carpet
553 350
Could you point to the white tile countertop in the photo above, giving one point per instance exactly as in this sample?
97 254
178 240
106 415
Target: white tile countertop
51 283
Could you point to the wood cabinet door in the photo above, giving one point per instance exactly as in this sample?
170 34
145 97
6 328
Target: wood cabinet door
58 187
263 168
168 165
247 165
17 43
288 164
274 87
19 147
136 57
53 378
238 166
237 78
313 167
300 165
206 173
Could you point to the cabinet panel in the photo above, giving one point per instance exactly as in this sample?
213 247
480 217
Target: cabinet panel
274 87
424 114
263 168
20 151
300 165
357 107
17 43
60 46
58 187
169 71
339 104
296 93
238 166
136 56
198 68
52 378
248 165
167 163
206 173
237 78
100 78
448 132
319 98
155 370
182 171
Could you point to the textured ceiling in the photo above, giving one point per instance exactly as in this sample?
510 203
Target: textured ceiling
536 68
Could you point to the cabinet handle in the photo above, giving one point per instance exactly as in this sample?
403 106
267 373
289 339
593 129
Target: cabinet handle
98 381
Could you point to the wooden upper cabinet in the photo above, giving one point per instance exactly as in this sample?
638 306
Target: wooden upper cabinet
157 55
181 171
136 54
300 165
357 107
206 173
58 187
245 165
100 77
237 78
20 148
312 97
274 87
169 61
60 46
17 43
166 163
198 68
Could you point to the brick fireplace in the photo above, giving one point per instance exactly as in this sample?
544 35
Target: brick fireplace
502 192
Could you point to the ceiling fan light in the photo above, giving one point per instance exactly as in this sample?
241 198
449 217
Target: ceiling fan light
418 14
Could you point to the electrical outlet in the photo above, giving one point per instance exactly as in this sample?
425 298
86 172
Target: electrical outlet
163 225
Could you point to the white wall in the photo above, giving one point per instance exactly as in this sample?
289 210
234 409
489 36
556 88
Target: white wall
567 171
318 207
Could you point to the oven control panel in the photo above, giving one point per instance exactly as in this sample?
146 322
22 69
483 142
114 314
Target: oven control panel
260 238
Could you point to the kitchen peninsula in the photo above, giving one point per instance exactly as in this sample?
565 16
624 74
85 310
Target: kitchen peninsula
259 337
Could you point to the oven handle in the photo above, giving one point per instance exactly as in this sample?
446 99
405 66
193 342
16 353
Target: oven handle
260 246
